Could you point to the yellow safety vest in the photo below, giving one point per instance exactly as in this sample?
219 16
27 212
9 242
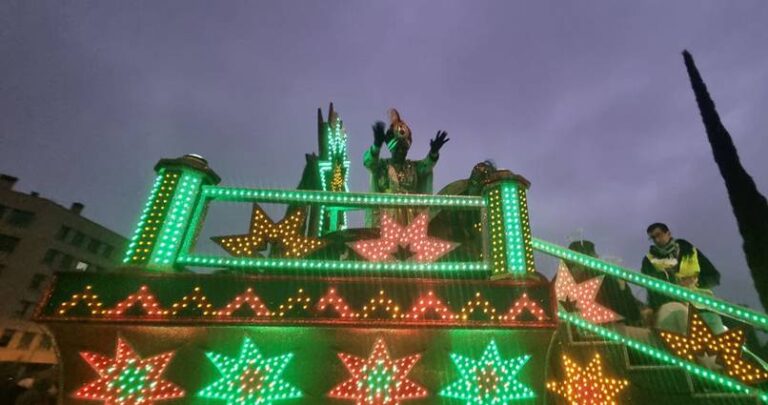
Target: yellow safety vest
689 267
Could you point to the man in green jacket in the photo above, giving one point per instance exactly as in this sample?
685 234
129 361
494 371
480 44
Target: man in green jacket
677 261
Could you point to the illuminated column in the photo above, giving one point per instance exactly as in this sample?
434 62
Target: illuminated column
333 168
161 227
507 228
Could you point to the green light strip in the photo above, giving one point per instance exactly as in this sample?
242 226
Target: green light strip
530 264
734 311
176 221
495 229
337 141
153 217
321 210
326 265
729 383
513 235
193 227
143 218
339 199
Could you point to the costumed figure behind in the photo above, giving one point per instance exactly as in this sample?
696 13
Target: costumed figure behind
614 293
465 225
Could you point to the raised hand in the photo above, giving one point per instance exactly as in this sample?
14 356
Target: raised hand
437 143
379 133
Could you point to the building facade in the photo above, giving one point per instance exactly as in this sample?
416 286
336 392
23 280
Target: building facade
37 238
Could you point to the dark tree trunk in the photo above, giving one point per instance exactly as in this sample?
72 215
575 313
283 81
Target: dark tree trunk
749 206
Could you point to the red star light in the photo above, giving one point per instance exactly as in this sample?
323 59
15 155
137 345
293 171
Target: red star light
425 249
584 295
378 380
128 379
525 303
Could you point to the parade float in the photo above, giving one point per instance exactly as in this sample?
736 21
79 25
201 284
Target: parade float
446 307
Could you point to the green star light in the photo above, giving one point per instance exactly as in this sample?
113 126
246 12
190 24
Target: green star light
490 380
131 381
250 378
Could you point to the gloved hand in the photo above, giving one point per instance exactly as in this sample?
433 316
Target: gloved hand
438 142
379 133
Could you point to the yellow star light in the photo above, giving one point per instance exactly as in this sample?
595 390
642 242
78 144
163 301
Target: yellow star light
286 234
587 386
727 347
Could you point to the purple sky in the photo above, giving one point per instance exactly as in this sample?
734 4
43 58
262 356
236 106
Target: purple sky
590 101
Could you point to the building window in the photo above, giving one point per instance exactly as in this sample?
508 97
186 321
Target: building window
8 243
6 337
63 233
78 239
26 340
3 209
81 266
37 280
108 250
66 262
20 218
45 343
93 246
25 306
50 256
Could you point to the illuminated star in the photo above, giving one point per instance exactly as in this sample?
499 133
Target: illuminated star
378 380
587 386
250 378
727 347
397 240
583 295
490 380
128 379
286 234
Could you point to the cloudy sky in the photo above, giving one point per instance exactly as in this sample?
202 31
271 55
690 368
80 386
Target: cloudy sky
589 100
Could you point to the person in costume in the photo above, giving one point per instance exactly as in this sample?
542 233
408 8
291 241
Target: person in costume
398 174
463 225
677 261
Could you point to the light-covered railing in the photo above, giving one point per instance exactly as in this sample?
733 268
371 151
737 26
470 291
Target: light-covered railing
746 315
169 226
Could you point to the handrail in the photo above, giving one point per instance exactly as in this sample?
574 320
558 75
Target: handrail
330 199
718 305
480 268
651 351
339 198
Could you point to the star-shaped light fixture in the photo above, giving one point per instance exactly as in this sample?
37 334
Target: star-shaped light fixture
286 234
378 380
490 380
701 342
589 385
583 295
411 242
128 379
250 378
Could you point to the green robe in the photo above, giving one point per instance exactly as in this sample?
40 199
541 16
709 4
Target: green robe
409 177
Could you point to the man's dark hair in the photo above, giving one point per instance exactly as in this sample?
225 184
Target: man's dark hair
659 225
